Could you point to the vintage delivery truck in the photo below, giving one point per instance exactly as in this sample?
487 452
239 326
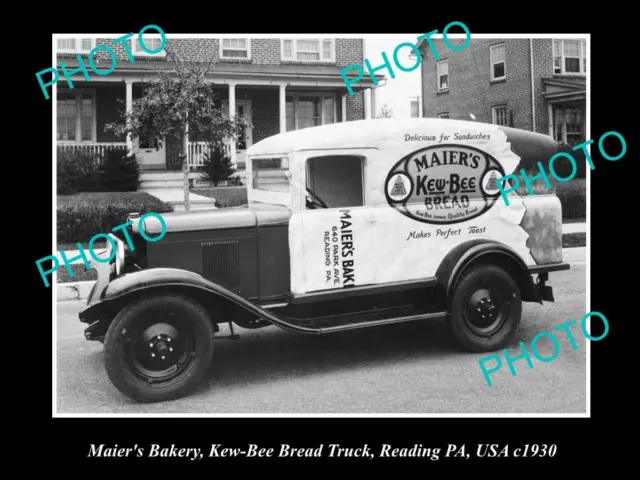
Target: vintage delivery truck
351 225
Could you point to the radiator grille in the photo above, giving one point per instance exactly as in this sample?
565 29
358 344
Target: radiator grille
221 261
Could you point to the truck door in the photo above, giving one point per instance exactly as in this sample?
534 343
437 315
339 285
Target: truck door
332 247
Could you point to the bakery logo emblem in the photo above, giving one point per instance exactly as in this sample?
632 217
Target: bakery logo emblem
445 184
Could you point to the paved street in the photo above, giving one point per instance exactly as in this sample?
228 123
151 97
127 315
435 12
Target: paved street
396 369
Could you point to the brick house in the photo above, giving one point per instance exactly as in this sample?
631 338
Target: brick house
534 84
279 84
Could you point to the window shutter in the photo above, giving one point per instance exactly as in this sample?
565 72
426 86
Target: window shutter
326 49
287 50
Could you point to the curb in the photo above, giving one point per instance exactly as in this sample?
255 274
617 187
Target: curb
80 290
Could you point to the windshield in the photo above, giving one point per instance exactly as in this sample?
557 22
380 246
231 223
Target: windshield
271 175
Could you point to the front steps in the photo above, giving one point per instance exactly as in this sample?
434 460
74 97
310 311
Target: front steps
157 180
175 198
168 187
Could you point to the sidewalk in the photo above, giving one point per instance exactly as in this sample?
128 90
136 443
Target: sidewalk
574 228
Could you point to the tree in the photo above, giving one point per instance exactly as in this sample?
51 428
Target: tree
179 104
385 112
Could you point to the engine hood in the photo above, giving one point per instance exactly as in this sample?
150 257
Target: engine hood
221 218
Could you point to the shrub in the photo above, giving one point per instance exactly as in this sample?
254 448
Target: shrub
119 172
77 171
563 166
573 197
217 165
84 215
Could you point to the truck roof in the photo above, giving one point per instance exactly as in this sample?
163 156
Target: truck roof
384 132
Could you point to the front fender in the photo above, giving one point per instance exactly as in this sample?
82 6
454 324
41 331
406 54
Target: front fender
496 253
128 287
152 277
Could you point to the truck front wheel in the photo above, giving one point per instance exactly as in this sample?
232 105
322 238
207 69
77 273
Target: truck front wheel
486 309
159 348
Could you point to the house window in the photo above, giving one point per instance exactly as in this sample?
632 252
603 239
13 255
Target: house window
570 57
308 49
498 65
76 116
75 45
499 115
443 115
305 110
415 109
152 42
569 126
442 72
235 48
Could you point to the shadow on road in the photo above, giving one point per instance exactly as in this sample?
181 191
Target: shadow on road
262 355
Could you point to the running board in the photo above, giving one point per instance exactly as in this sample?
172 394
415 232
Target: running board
344 321
383 321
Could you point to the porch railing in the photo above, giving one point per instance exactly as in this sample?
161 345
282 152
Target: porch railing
196 153
98 149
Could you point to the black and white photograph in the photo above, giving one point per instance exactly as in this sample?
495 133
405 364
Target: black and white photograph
379 225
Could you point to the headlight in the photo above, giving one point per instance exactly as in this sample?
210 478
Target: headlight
119 257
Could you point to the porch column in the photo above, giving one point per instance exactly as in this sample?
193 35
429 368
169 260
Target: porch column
129 104
283 108
373 103
344 107
232 114
367 103
551 119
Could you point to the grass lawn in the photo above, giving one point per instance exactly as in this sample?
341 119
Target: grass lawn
108 198
225 196
573 240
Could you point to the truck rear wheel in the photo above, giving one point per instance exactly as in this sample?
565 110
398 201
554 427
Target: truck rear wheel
486 309
159 348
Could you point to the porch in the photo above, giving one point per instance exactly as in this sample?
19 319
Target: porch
195 154
566 109
270 107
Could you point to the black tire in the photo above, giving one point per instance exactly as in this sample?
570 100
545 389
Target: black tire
139 347
474 324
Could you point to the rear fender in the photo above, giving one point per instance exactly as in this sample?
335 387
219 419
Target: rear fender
222 303
473 252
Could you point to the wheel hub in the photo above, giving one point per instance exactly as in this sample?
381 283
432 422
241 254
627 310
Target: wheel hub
486 309
160 347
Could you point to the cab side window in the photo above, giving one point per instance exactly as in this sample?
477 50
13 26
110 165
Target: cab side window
336 180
